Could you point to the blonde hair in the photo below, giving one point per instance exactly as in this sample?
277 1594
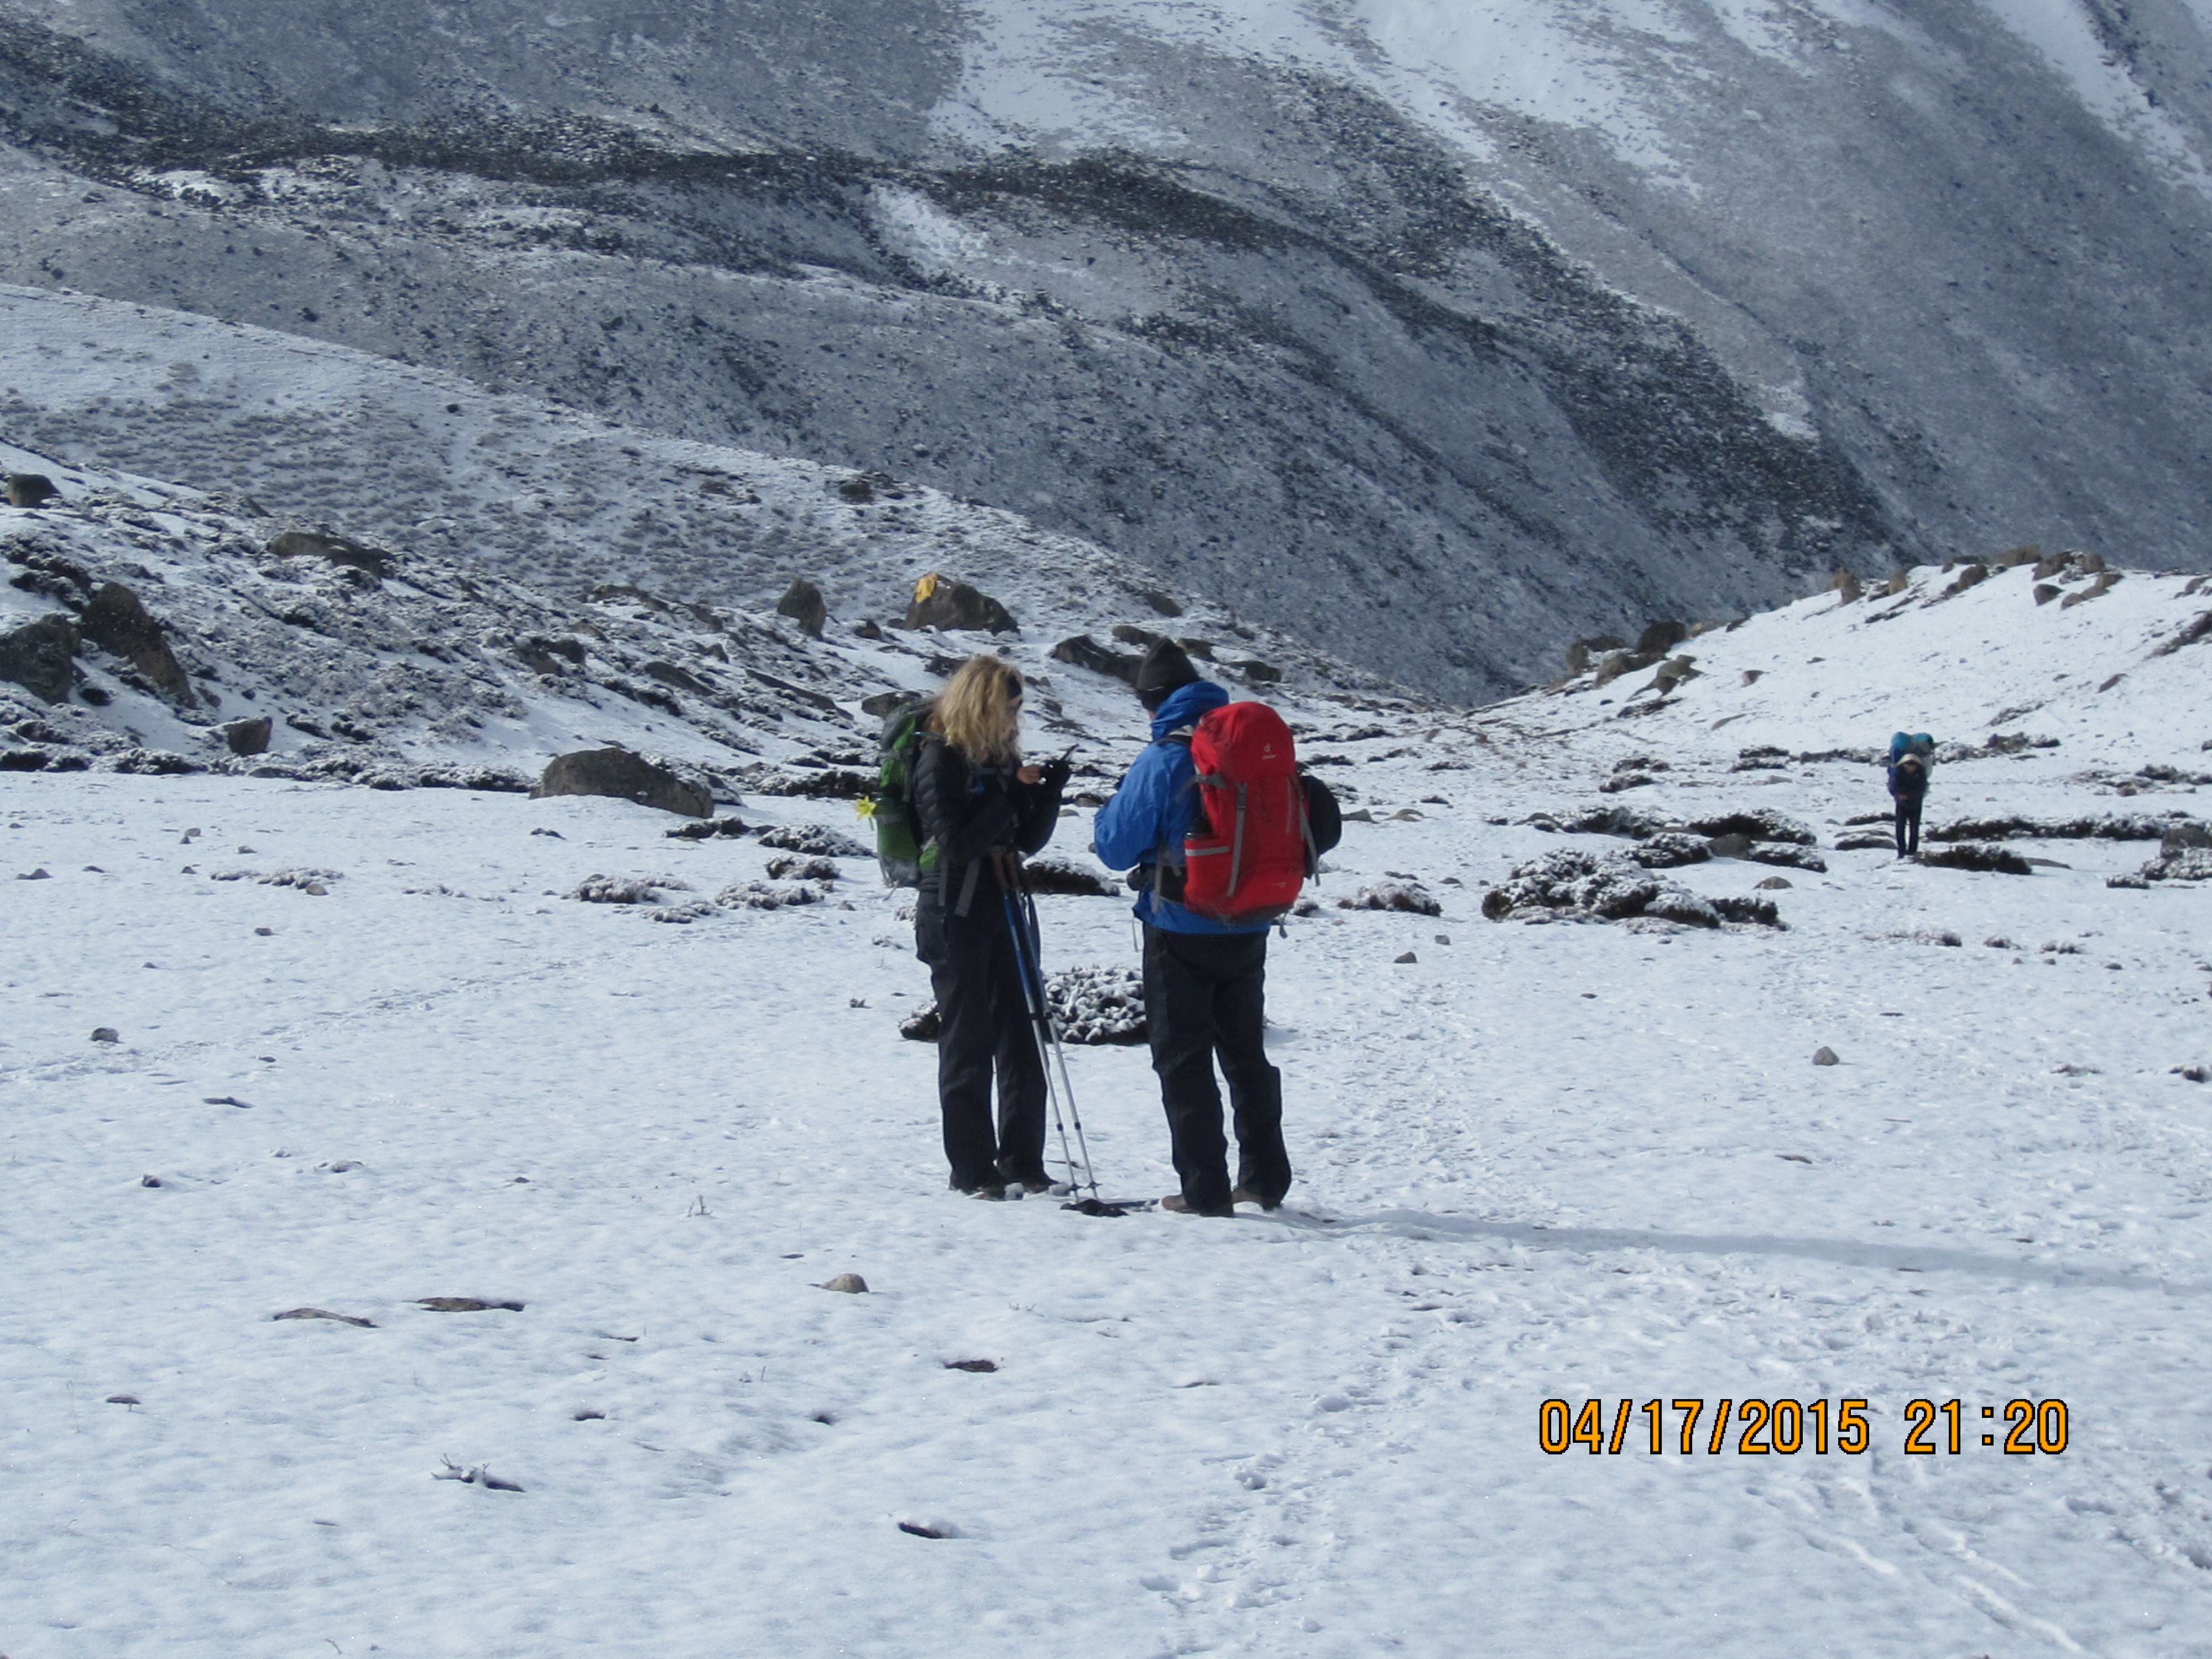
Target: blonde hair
978 712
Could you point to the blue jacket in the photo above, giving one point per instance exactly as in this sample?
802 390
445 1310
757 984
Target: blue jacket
1152 810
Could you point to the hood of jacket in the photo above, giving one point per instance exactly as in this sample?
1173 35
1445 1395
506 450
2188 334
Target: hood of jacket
1186 705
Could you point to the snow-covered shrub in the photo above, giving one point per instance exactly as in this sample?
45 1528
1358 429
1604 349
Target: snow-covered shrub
1977 855
2182 864
817 839
1762 824
707 829
1067 875
1089 1006
762 895
1097 1004
305 880
1672 847
2116 826
624 889
1400 895
793 866
1788 855
1609 887
1636 823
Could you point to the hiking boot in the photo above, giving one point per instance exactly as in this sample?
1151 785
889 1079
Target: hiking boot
1182 1206
989 1190
1031 1181
1246 1196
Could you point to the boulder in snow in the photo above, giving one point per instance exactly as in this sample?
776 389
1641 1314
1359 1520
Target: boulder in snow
619 773
249 737
39 656
1081 651
940 602
803 603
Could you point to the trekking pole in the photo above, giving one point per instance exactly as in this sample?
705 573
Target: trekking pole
1040 1014
1052 1028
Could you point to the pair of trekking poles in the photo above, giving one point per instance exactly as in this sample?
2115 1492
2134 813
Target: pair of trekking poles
1020 905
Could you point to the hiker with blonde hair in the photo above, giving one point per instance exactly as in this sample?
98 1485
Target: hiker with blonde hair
975 802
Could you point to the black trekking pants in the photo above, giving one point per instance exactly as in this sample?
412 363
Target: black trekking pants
1205 996
983 1028
1908 820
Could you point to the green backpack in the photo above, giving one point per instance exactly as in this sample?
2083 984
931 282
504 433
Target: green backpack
901 854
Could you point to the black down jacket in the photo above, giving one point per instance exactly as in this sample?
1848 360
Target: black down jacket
967 812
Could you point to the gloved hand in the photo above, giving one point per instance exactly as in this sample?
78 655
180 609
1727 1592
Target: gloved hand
1056 772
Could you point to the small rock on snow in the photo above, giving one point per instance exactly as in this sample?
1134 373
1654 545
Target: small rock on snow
1824 1055
325 1313
851 1284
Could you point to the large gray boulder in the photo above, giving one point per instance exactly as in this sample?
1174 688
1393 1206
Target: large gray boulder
39 657
626 776
249 737
940 602
1081 651
116 621
803 603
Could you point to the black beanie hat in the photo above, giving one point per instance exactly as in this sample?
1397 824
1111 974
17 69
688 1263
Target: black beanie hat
1164 669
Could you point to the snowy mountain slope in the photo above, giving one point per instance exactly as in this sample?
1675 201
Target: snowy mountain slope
1528 320
2107 665
487 632
503 482
1577 1161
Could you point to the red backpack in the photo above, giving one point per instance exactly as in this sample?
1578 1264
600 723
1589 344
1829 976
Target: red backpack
1249 848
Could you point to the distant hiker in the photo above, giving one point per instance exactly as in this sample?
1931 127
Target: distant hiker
973 799
1204 980
1908 787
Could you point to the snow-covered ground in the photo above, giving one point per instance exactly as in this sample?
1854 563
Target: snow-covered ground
1572 1161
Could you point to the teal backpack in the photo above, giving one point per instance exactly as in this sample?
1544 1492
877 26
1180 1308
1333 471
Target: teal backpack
1902 744
898 852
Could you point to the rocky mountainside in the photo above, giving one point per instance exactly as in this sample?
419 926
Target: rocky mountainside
148 627
1434 334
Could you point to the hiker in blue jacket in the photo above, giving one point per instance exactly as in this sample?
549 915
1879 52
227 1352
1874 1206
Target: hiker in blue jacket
1909 753
1205 981
1908 787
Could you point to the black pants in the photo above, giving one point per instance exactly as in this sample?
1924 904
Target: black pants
1205 995
983 1027
1908 820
